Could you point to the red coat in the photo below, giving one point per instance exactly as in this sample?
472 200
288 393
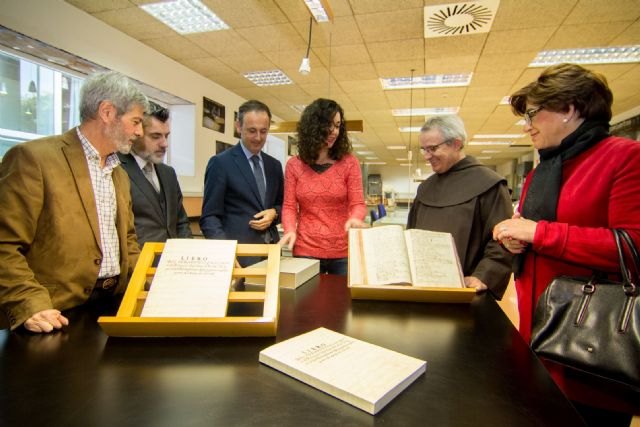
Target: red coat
600 191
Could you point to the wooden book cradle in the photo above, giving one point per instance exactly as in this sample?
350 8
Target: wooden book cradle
128 323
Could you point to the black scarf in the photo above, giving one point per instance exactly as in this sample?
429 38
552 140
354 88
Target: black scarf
541 201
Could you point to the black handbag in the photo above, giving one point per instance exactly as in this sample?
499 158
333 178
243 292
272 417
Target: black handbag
593 325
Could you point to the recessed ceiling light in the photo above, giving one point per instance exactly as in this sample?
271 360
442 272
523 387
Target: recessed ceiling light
268 78
489 143
500 135
437 111
409 129
185 16
590 55
428 81
320 9
396 147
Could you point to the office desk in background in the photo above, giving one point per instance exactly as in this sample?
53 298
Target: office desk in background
479 371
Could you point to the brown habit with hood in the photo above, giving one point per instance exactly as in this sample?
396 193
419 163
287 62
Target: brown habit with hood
468 201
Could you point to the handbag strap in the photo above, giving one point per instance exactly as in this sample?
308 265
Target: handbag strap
623 240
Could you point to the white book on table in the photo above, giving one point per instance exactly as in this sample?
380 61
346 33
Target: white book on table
293 272
364 375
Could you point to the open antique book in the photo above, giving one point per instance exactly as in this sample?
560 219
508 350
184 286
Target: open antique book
364 375
389 255
192 279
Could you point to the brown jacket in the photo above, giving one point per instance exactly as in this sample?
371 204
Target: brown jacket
50 251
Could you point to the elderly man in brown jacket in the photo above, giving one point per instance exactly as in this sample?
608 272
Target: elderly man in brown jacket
66 228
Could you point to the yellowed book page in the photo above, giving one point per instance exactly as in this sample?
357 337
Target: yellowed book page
433 259
356 276
385 257
362 374
192 279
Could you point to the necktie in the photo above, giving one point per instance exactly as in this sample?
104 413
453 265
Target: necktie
148 173
259 176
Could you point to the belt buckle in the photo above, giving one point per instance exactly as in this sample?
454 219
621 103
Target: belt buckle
109 283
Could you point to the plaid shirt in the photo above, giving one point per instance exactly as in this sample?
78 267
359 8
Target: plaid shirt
105 196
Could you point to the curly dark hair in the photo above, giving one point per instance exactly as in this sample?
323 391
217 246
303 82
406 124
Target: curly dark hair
314 128
562 85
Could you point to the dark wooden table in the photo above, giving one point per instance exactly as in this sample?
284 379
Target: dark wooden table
479 371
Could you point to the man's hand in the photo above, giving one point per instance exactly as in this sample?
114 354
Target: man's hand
263 219
46 321
474 282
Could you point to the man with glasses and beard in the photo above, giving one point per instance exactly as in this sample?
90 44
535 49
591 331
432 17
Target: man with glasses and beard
66 231
155 192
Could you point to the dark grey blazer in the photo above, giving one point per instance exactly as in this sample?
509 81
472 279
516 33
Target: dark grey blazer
153 221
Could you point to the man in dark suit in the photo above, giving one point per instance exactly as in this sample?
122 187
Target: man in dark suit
243 186
155 192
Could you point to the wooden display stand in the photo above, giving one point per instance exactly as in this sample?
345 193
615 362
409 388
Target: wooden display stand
412 293
128 323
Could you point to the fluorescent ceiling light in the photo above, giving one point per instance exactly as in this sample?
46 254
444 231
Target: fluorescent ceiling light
505 100
483 157
358 145
185 16
437 111
375 163
299 107
491 151
405 164
371 158
268 78
429 81
396 147
500 135
365 153
490 143
590 55
402 160
320 9
409 129
520 122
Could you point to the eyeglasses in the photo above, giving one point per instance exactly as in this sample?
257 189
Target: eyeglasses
530 114
431 149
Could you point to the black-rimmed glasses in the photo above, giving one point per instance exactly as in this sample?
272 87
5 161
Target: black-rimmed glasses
431 149
530 114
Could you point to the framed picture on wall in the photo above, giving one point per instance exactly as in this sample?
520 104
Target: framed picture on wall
235 119
212 115
222 146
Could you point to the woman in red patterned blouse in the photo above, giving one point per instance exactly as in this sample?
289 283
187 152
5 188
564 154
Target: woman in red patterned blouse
323 194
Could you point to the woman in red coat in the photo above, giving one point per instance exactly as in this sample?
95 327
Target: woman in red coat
587 183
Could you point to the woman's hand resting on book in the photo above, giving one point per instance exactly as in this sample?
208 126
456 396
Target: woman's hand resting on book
354 223
288 239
